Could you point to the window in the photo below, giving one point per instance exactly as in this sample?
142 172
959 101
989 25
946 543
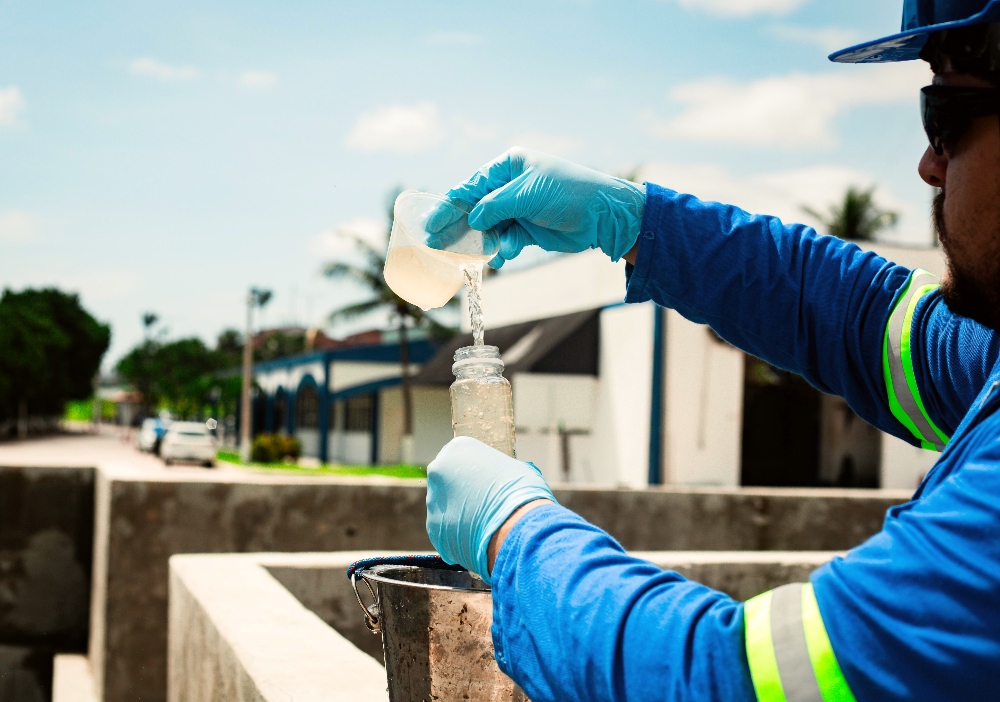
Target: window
279 413
336 417
358 413
307 408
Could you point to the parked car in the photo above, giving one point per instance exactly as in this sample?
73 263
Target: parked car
188 441
151 434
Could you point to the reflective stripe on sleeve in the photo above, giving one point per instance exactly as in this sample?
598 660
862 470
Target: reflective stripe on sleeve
789 652
897 365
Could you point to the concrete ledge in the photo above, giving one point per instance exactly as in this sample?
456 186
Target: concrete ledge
237 634
733 519
741 574
275 626
72 680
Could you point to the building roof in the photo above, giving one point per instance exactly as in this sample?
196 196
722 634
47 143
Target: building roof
565 344
419 350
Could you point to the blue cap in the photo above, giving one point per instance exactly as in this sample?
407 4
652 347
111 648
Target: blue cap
920 18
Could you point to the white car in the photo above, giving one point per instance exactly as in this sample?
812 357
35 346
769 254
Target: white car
188 441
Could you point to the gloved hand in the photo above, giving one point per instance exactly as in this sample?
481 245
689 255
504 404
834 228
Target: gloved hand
535 198
471 491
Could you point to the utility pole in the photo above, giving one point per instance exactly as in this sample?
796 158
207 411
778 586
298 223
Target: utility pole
246 415
255 298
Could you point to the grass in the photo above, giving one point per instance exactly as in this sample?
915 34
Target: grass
401 470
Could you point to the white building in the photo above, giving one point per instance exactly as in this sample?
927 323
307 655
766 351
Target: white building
344 405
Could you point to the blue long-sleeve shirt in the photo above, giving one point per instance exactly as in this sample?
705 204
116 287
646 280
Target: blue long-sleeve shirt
913 613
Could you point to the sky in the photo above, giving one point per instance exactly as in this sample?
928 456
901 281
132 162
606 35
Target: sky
165 157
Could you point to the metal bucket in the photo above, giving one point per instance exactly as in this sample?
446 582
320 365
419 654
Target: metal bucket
435 625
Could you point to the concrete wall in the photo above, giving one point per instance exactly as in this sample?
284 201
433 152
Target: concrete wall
72 680
142 522
269 627
25 673
46 545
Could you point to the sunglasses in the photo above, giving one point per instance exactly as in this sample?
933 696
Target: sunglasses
948 111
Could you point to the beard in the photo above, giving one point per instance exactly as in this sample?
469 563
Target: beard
971 287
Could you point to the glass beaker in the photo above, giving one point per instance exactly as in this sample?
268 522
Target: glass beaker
481 403
430 242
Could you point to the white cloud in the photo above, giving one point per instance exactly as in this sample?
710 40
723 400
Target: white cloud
452 39
784 193
339 242
743 8
549 143
795 111
17 227
162 71
11 105
257 80
402 129
826 38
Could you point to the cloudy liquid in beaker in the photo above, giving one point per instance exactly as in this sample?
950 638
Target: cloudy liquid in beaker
426 280
482 408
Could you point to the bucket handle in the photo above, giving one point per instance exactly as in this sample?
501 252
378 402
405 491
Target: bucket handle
373 612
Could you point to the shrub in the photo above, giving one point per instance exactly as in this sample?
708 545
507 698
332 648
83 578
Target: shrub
274 448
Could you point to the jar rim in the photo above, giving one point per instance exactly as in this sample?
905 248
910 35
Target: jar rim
480 352
482 355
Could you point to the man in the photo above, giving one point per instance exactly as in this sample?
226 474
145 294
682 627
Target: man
914 612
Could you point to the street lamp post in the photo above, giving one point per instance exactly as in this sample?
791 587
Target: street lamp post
246 416
255 298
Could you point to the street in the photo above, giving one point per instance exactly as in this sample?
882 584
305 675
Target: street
86 449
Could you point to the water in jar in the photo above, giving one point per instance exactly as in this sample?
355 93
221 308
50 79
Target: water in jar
482 408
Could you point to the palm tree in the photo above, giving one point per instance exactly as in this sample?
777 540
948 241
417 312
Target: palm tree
857 217
370 274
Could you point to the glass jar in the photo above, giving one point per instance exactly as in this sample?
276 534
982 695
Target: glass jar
481 404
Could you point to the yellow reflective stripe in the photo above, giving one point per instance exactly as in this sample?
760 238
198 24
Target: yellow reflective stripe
760 649
903 394
830 677
907 358
788 650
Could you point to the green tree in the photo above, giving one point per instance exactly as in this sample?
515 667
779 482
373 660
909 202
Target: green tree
370 275
50 350
856 217
178 375
279 344
185 375
138 367
229 345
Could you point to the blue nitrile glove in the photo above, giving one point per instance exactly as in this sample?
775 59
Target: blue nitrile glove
535 198
471 491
